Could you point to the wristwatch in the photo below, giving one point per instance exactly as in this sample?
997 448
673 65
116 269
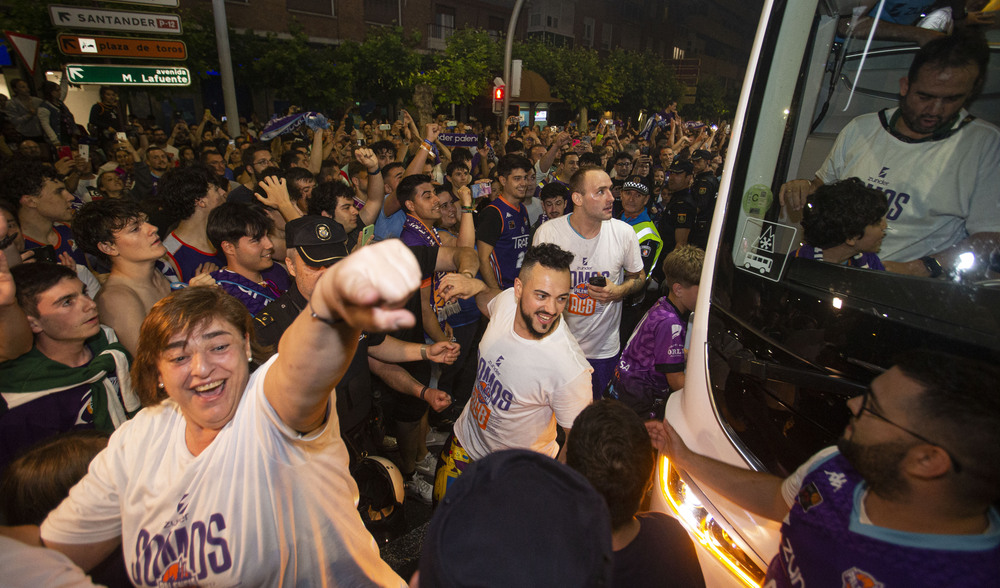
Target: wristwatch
933 266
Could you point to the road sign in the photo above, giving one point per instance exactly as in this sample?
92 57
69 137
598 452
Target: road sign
128 75
121 47
26 47
164 3
76 17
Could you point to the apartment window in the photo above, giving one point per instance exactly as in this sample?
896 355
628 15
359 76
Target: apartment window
324 7
382 11
588 32
678 53
606 36
444 22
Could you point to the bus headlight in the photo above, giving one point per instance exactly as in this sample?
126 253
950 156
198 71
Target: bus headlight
700 523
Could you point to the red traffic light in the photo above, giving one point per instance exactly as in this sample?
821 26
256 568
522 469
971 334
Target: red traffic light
498 92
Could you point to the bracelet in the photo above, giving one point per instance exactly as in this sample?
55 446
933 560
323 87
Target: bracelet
468 209
427 149
423 352
429 142
378 170
422 390
326 321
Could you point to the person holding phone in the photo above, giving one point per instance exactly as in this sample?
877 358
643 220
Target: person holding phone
607 249
106 118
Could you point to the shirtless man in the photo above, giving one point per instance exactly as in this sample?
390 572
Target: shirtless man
117 231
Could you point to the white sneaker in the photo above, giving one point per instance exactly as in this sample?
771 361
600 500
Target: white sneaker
420 489
436 438
428 464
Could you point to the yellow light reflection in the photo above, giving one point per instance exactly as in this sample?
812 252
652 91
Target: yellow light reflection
706 530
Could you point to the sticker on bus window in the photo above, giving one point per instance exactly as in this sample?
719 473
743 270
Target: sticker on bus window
757 200
765 247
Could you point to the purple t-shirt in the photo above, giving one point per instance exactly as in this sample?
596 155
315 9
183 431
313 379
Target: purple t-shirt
860 261
655 349
825 543
254 296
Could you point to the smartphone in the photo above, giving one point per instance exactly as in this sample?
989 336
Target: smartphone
64 151
223 119
402 112
121 137
598 281
715 127
384 127
45 253
367 234
608 121
451 124
85 151
482 189
644 150
361 142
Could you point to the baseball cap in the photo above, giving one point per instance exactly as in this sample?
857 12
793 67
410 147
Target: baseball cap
701 154
321 241
477 536
635 183
681 167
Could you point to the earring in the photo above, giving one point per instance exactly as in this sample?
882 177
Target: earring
249 357
159 385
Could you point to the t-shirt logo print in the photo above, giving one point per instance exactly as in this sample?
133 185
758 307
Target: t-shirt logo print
856 578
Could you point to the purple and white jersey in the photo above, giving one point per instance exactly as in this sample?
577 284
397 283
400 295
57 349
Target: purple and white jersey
184 259
861 261
655 349
827 539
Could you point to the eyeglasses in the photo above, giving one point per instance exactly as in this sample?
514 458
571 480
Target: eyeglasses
866 397
263 162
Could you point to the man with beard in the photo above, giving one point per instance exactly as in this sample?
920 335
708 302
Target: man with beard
906 496
938 165
532 374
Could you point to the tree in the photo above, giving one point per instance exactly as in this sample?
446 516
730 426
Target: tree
648 82
385 65
465 70
709 101
576 75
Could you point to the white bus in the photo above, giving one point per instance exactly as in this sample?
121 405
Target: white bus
773 359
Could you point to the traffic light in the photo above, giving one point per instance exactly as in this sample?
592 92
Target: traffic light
498 92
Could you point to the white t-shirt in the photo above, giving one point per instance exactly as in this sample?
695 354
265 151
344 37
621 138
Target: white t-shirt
25 565
260 506
523 387
614 251
939 191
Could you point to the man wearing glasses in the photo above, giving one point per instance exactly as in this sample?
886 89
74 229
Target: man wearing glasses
257 159
905 498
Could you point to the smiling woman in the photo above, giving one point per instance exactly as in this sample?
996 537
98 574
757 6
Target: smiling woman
230 477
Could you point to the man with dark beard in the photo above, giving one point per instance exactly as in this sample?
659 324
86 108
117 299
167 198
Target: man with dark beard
938 165
532 374
906 496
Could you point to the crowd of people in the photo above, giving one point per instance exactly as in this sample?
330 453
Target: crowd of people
249 319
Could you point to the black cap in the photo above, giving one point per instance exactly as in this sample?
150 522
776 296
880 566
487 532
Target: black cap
681 167
701 154
635 183
518 518
321 241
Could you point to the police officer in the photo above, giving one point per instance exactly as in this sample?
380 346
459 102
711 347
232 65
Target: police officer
677 221
705 189
635 195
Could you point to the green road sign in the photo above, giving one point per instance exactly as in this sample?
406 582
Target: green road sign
128 75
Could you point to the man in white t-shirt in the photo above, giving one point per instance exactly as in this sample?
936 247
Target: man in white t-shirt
606 268
531 375
938 165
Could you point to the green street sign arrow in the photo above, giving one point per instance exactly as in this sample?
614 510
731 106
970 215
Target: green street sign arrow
128 75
